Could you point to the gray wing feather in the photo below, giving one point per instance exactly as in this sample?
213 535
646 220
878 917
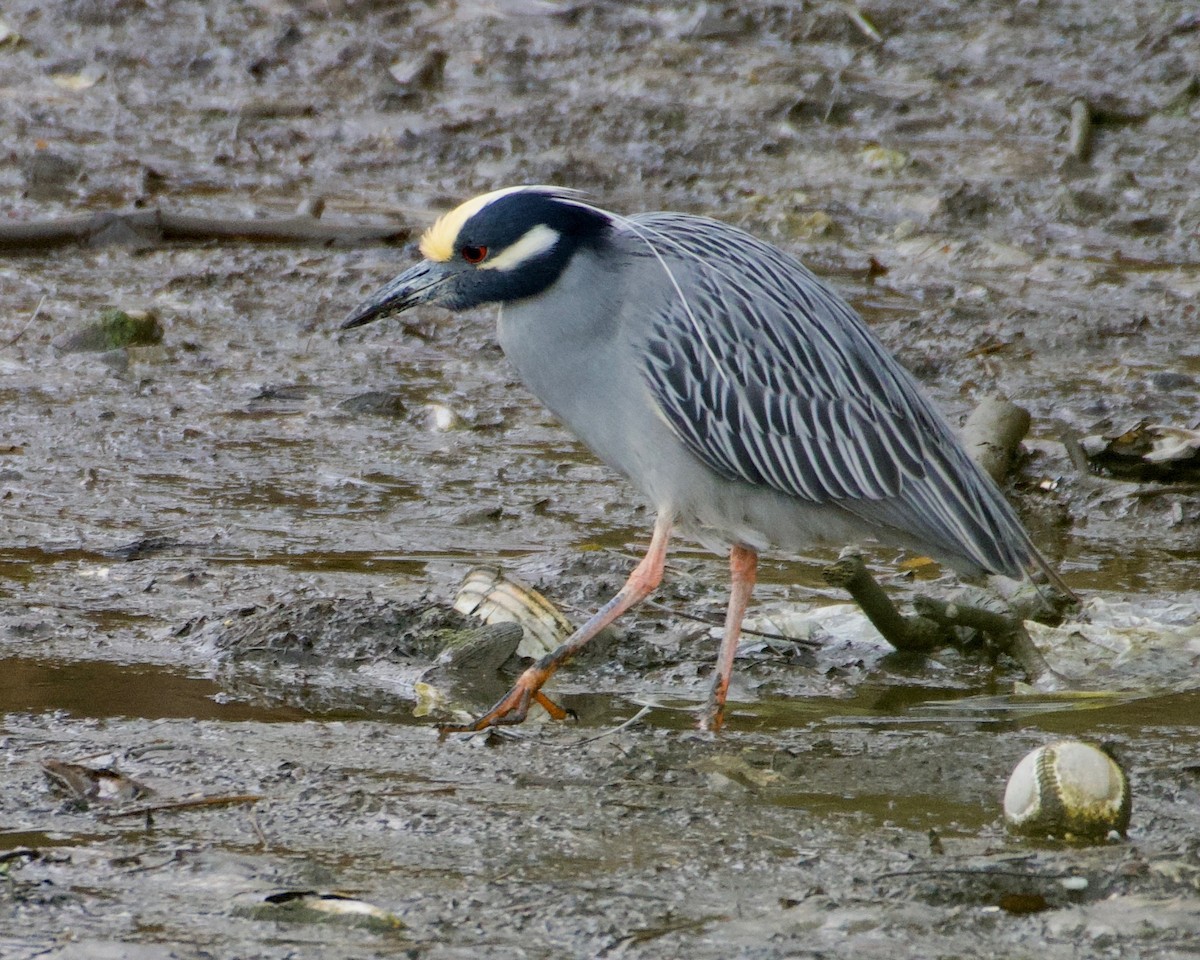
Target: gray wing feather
769 377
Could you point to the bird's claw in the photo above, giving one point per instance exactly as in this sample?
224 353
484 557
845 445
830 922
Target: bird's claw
512 708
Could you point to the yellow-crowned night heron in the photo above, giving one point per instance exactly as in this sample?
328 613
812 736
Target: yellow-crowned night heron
745 398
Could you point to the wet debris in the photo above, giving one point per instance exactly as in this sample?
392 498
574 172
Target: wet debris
147 546
332 632
284 398
278 51
792 633
487 594
28 323
968 204
409 83
8 36
423 74
77 81
14 859
85 785
1068 790
422 653
309 906
823 101
791 221
1142 225
1146 451
1116 646
720 23
731 773
879 159
50 174
114 330
864 24
106 785
1013 885
376 403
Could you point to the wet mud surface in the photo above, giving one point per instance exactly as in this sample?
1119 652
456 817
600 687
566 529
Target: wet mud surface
223 551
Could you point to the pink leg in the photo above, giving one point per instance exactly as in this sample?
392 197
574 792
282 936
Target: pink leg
645 578
743 570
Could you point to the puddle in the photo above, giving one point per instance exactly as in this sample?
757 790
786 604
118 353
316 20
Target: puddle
870 810
1074 715
101 690
35 839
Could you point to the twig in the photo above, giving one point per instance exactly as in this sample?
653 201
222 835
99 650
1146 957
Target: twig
972 872
29 323
715 622
663 929
858 18
608 733
934 624
1078 457
171 806
258 830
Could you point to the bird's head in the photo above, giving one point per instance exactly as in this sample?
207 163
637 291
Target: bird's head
502 246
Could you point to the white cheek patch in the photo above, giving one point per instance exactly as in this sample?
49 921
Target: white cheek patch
535 241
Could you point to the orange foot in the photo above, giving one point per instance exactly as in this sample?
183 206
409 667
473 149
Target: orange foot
513 707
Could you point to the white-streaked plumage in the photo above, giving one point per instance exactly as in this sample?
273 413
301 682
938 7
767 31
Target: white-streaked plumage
733 387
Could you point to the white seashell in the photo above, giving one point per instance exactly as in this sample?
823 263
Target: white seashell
487 594
1069 790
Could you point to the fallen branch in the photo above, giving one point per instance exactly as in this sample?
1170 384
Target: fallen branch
992 435
1006 633
937 621
151 227
911 634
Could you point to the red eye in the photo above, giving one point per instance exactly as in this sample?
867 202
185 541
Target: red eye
474 254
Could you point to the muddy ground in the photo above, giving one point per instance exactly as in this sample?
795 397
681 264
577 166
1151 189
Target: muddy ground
920 158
